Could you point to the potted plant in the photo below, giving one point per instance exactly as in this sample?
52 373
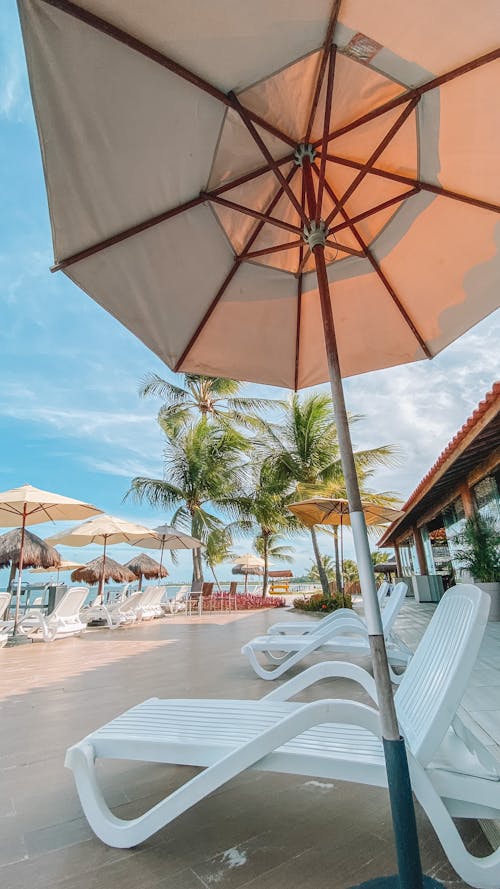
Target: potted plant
479 555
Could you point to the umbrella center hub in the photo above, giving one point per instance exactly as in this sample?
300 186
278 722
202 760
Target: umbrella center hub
305 149
315 233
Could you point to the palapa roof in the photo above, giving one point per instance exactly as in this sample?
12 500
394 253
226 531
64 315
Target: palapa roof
144 565
36 553
92 572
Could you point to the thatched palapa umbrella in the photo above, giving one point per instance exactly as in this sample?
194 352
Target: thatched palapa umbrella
22 547
102 570
144 566
36 552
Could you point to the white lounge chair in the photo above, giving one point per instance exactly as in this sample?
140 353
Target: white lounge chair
304 627
63 621
348 634
4 607
453 774
119 614
150 606
176 603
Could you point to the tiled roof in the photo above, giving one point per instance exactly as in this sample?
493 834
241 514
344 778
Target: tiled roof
483 407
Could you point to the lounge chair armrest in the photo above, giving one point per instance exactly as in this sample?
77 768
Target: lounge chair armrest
326 670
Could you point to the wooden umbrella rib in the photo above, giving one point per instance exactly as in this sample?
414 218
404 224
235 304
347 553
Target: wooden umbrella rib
416 183
415 91
267 251
397 199
373 158
326 123
162 217
322 67
218 296
154 55
376 267
344 248
255 214
268 156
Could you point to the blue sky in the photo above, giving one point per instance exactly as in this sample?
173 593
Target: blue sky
70 417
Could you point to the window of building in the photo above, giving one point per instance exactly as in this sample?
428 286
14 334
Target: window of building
487 498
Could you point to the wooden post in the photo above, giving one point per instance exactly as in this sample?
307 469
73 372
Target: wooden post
419 546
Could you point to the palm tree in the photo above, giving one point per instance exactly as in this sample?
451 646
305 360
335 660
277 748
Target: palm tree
264 509
328 567
217 548
203 469
304 451
212 397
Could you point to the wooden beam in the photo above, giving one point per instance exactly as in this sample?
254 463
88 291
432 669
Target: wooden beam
322 67
326 123
255 214
372 159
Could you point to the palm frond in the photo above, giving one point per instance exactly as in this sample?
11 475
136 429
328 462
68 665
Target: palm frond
154 385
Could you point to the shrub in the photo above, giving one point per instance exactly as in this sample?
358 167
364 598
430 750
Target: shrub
246 602
319 603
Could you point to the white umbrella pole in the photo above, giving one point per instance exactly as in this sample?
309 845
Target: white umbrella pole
398 776
20 572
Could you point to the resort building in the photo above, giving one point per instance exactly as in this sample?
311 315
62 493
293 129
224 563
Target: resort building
464 479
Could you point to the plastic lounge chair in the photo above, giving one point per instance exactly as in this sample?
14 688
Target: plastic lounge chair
347 634
150 605
63 621
304 627
120 614
177 603
4 609
453 774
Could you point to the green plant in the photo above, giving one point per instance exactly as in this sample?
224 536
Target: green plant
479 548
322 604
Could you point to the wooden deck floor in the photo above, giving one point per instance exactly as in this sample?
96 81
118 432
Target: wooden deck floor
262 830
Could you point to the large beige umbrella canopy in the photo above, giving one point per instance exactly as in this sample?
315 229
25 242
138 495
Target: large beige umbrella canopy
168 537
99 568
105 530
278 192
143 565
28 505
335 511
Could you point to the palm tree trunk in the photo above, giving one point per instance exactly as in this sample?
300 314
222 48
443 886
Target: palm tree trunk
321 570
215 577
338 576
265 577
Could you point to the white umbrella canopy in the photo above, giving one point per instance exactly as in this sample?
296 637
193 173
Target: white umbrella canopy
104 529
317 183
28 505
64 565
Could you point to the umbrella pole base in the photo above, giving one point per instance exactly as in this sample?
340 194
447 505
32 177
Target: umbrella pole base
18 639
393 882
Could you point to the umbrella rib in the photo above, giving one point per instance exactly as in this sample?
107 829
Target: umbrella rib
251 240
245 116
303 261
154 55
322 68
397 199
326 122
365 168
344 249
412 93
416 183
256 214
376 267
266 251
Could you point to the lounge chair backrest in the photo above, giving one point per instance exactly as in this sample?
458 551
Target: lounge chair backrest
4 603
70 603
233 586
437 675
382 593
394 604
129 604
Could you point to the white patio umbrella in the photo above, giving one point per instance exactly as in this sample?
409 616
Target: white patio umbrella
28 505
169 537
106 530
64 565
247 564
278 192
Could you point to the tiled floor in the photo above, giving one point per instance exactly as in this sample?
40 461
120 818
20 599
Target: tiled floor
261 830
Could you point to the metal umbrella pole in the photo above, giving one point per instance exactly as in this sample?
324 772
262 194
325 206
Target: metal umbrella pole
398 777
